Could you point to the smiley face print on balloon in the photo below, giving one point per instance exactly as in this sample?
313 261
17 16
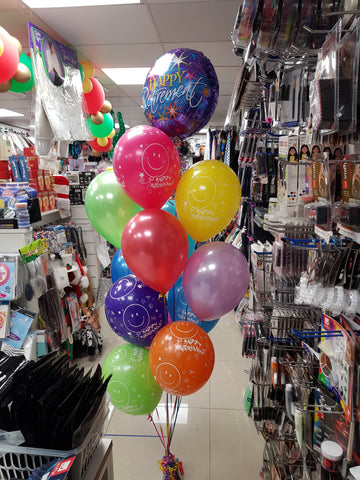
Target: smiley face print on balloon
181 358
135 311
207 198
147 166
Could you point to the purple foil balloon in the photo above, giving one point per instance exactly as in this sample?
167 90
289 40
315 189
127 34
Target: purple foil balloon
215 279
135 311
180 93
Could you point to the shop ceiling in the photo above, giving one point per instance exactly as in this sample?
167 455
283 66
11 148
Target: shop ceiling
133 35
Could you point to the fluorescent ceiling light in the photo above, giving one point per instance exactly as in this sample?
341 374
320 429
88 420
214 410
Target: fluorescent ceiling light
127 76
4 112
203 130
74 3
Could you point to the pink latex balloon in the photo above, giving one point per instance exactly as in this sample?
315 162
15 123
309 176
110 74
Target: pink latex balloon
147 165
215 279
155 247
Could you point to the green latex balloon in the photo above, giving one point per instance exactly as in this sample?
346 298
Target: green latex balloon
82 74
132 387
102 130
108 207
23 87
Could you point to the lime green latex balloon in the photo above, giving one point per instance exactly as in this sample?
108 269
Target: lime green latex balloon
82 74
23 87
102 130
108 207
132 387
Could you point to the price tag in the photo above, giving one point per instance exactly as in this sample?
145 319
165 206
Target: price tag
323 234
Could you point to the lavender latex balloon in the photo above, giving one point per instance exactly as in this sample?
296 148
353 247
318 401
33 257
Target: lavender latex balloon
180 93
215 279
135 311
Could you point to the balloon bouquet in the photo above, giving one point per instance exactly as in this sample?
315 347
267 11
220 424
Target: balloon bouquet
166 297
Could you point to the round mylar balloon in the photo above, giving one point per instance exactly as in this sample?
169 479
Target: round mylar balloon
180 92
108 207
179 309
207 198
155 247
134 311
118 267
132 387
215 279
181 358
147 165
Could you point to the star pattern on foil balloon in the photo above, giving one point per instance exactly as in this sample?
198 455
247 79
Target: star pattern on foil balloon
178 61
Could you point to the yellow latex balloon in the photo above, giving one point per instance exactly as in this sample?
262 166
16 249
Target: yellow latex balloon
1 47
207 198
89 69
87 85
102 141
112 133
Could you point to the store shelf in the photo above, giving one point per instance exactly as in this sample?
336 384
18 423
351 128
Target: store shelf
51 216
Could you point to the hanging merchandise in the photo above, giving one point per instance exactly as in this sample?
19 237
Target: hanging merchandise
59 95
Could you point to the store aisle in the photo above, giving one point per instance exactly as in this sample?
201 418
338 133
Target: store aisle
214 437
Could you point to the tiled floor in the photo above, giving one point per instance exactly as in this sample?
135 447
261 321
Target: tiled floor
214 437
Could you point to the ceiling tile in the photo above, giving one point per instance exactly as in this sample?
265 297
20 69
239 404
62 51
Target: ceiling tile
226 88
227 74
102 25
219 53
121 55
132 90
119 102
195 22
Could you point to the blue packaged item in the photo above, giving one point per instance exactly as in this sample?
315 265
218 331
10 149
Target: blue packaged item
15 168
23 167
21 320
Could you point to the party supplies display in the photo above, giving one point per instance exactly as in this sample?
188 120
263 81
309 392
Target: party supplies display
21 320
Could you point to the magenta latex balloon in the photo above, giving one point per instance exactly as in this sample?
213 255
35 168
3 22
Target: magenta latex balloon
215 279
146 165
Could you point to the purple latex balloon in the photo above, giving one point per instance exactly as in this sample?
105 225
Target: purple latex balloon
135 311
180 92
215 279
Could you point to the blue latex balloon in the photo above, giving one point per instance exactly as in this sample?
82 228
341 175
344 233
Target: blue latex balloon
180 92
180 310
135 311
170 208
118 267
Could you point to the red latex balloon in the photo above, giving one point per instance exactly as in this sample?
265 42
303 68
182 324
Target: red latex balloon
94 144
95 99
181 358
155 247
9 58
147 165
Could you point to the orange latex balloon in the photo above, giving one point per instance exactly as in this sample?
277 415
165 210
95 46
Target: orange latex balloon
181 358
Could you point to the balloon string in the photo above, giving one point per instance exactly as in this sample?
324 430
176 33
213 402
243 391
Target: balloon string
175 416
161 437
167 424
